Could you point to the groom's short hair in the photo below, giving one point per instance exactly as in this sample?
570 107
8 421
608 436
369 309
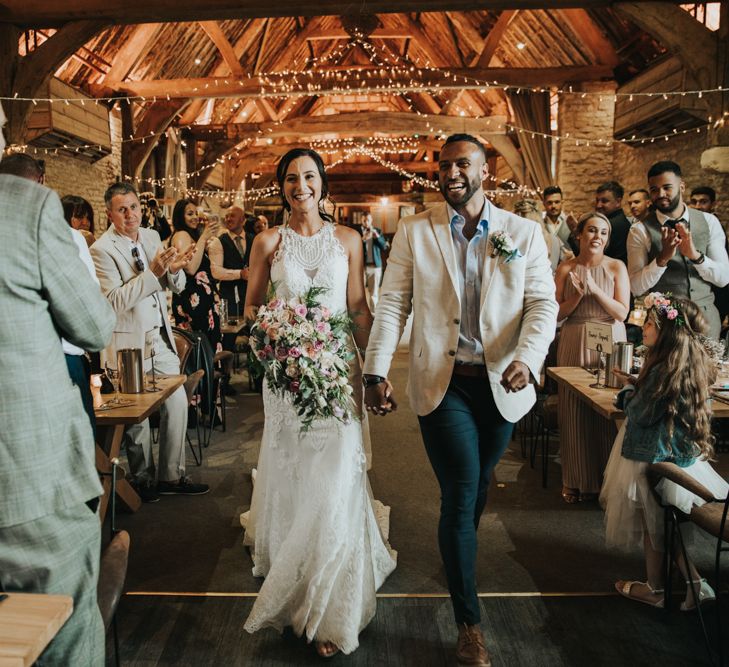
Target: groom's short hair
466 137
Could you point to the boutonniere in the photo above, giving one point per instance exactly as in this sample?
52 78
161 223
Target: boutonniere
502 244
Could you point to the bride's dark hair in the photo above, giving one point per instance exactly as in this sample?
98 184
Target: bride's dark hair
283 167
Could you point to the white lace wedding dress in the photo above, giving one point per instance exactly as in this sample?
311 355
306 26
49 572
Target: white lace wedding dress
312 530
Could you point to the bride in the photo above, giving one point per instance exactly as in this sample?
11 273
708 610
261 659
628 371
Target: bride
312 530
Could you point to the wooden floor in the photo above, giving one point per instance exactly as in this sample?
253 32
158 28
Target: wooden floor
534 631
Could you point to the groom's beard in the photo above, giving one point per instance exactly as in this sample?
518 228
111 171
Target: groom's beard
462 197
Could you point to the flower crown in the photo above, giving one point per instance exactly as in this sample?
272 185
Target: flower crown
663 305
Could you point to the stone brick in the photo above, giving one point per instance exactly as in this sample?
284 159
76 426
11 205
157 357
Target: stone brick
69 175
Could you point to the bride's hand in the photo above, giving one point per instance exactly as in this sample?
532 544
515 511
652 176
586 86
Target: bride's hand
379 398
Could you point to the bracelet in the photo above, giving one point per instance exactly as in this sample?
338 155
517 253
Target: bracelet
699 260
372 380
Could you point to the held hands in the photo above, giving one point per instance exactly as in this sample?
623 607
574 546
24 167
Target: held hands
670 240
379 399
515 377
244 273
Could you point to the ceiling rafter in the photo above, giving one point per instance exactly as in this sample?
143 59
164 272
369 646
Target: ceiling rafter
217 36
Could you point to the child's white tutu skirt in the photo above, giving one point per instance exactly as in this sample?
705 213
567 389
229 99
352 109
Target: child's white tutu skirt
629 502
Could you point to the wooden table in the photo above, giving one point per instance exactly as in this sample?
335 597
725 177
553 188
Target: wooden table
28 622
578 380
110 429
233 326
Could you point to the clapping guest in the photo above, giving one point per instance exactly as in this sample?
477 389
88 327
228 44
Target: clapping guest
79 215
196 307
590 287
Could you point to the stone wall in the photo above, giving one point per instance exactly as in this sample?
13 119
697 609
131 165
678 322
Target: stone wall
69 175
631 164
580 169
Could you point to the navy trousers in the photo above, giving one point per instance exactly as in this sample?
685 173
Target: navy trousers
80 371
465 436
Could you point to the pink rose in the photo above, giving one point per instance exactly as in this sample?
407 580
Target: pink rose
301 310
294 386
295 352
268 350
325 312
281 353
672 314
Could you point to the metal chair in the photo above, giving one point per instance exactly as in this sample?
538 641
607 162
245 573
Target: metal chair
712 518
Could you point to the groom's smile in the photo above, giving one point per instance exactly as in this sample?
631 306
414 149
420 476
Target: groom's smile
461 169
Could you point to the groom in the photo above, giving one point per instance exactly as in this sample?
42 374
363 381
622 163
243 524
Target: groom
484 313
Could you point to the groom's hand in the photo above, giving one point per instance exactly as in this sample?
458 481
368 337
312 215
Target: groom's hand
515 377
379 398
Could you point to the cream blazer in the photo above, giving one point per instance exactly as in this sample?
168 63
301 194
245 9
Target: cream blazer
129 291
518 315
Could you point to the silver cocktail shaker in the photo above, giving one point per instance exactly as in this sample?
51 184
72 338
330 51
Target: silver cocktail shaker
130 362
620 358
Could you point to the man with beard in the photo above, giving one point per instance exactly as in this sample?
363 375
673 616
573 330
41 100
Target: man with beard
479 284
609 202
677 249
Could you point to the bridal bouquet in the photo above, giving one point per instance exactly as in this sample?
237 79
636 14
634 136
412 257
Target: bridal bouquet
301 347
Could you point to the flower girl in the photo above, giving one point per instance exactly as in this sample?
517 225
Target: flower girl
668 418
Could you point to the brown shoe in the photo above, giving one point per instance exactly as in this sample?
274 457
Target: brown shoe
471 649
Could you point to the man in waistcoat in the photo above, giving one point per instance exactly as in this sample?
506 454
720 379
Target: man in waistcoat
677 249
229 254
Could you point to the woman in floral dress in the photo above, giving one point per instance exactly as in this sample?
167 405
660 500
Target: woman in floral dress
196 307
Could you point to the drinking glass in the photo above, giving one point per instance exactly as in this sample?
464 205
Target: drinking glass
113 375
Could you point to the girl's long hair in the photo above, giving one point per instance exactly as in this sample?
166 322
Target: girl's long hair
686 373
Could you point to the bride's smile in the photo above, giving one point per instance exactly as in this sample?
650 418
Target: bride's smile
303 186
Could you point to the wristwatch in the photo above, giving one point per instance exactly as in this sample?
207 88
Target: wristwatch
372 380
699 260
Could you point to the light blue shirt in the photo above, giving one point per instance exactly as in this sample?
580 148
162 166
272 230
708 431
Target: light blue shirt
470 258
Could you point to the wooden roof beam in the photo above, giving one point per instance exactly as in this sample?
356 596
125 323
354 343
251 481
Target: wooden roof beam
488 49
359 124
27 76
131 52
602 50
443 79
681 33
241 45
217 36
46 13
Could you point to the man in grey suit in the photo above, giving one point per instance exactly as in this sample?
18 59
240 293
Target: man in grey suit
49 538
134 269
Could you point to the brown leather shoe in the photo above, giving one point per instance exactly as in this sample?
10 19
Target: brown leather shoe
471 649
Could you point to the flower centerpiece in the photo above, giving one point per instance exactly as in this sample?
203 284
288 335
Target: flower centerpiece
302 349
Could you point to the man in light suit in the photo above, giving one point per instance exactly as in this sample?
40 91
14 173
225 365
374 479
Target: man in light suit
134 270
479 284
49 538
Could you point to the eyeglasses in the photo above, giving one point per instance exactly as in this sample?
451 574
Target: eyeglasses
137 259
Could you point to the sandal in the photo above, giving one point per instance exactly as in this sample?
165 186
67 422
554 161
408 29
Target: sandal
570 496
625 588
326 649
706 594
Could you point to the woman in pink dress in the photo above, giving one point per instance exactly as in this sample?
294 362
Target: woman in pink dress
590 288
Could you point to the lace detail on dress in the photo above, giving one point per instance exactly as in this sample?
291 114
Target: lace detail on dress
301 262
311 528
